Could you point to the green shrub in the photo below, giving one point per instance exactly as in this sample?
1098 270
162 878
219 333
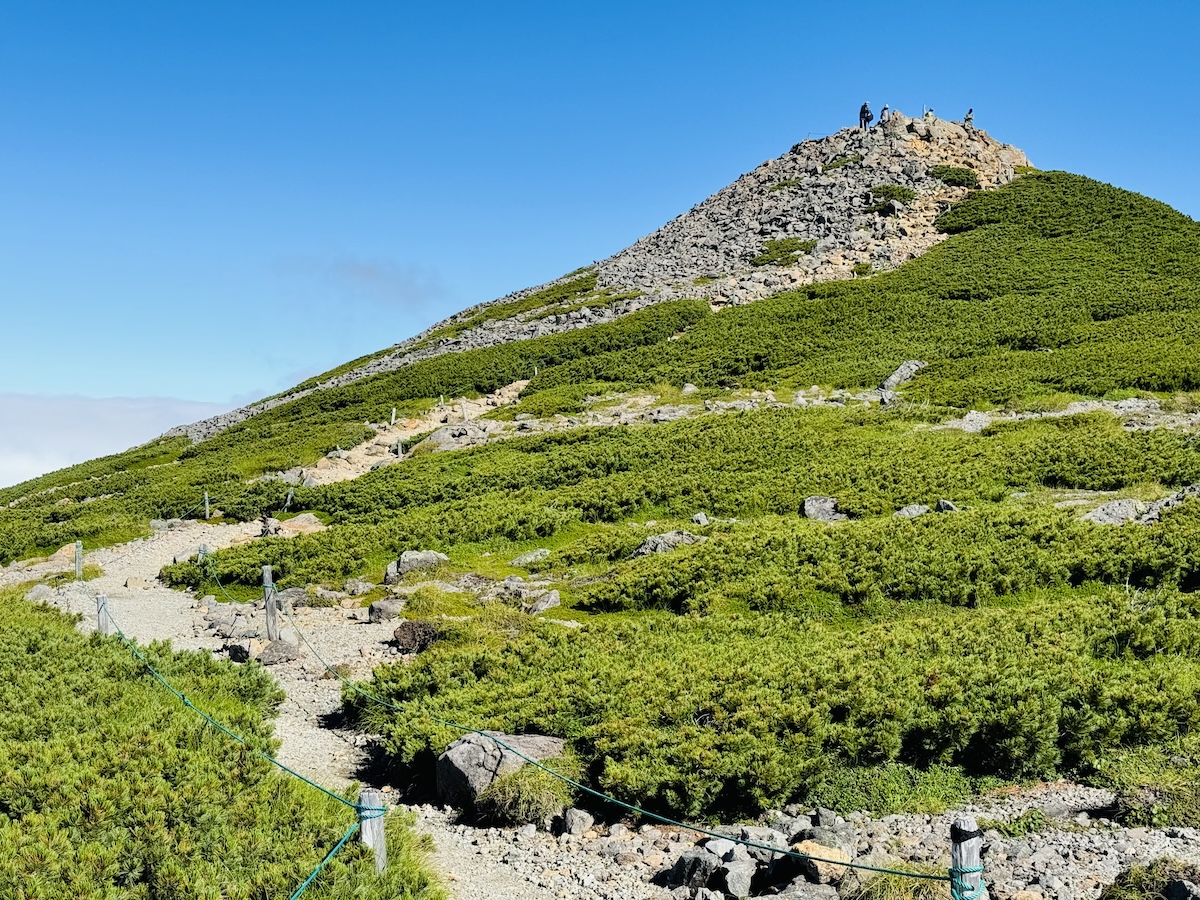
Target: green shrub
861 269
783 252
955 176
529 795
1149 882
897 192
844 160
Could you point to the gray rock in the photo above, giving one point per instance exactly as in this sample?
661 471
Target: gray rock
356 587
693 868
700 519
736 876
904 372
822 509
721 848
1117 512
825 818
525 560
185 555
576 821
662 543
766 836
418 560
278 652
545 601
294 597
944 506
39 593
414 637
385 610
689 389
158 525
911 511
802 889
472 763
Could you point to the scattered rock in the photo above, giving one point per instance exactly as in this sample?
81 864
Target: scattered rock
356 588
576 821
473 762
904 372
385 610
700 519
137 584
277 652
39 593
693 869
944 506
305 523
662 543
911 511
543 602
823 865
689 389
525 560
1117 512
822 509
736 876
417 560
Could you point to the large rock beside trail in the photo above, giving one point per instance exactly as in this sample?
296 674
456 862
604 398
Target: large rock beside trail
412 636
277 652
663 543
385 610
473 762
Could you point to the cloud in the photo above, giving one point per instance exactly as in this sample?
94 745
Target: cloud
39 434
379 283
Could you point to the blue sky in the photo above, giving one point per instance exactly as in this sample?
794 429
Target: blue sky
209 202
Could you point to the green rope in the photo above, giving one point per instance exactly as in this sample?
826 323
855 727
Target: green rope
328 856
241 740
610 799
958 888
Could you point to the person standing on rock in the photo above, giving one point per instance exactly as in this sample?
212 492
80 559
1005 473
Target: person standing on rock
969 118
864 116
884 113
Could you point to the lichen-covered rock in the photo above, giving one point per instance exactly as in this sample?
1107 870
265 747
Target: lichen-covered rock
663 543
473 762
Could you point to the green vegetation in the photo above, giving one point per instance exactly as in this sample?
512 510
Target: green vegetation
862 269
1149 882
1029 822
783 252
893 192
785 184
955 176
110 787
838 161
529 795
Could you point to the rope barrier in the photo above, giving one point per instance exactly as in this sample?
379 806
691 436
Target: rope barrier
608 798
365 813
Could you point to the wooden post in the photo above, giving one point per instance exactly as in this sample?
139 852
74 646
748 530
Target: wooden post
393 416
104 622
287 504
79 560
269 596
371 827
966 846
206 513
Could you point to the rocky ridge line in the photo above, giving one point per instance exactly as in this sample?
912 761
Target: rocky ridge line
820 190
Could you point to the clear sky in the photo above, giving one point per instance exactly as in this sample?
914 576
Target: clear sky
208 202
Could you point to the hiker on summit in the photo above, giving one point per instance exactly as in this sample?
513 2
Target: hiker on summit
865 116
969 118
884 113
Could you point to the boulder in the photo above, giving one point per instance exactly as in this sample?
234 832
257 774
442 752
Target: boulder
689 389
418 560
543 602
294 597
1116 512
944 506
1180 889
662 543
525 560
736 876
185 555
693 869
356 587
277 652
803 889
904 372
305 523
822 509
412 636
576 821
766 836
137 584
385 610
473 762
911 511
700 519
823 865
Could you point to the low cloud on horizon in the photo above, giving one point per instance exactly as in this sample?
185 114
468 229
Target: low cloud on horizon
40 434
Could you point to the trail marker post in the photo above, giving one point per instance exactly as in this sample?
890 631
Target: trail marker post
371 827
287 504
206 515
966 867
393 415
104 622
269 597
79 560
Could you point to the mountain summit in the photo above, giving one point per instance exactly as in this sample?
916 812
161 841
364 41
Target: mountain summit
855 202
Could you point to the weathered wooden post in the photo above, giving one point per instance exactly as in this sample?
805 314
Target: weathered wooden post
206 513
966 866
79 560
371 826
104 622
269 597
393 417
287 504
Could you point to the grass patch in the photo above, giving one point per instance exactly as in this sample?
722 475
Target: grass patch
783 252
955 176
